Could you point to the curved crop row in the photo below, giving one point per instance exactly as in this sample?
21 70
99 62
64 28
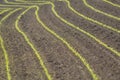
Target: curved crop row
65 42
30 44
3 47
113 4
99 11
34 5
5 52
3 11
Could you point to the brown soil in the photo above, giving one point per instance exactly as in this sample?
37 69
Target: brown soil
115 1
93 52
81 8
60 61
63 65
23 62
2 66
105 7
107 36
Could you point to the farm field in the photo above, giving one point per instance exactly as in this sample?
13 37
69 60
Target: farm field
59 40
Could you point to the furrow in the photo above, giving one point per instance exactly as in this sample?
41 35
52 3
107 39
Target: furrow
88 34
31 45
21 56
103 34
94 17
61 62
99 11
3 47
92 51
95 77
105 7
111 3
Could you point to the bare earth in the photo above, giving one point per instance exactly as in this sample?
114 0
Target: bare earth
60 61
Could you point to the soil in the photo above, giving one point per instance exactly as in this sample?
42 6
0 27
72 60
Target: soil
105 7
115 1
2 66
60 61
79 6
66 65
107 36
23 62
87 47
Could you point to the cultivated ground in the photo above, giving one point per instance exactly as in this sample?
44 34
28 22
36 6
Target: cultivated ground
59 40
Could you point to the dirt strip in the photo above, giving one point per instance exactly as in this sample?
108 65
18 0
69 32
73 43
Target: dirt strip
81 8
109 37
23 63
2 66
105 7
61 62
115 1
97 56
